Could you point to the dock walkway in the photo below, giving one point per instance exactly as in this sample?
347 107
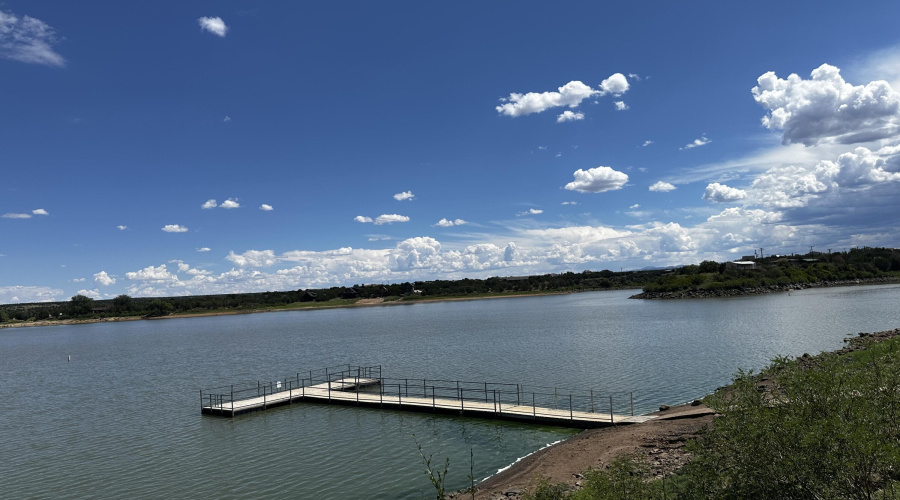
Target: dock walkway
365 387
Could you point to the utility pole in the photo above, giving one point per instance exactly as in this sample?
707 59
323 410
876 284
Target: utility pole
810 250
760 253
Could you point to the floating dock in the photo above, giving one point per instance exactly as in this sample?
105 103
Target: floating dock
365 387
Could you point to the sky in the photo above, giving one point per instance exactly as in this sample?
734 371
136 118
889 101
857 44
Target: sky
184 148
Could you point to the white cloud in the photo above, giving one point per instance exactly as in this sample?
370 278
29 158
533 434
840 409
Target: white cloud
702 141
152 274
616 84
620 105
94 294
827 109
406 195
104 279
209 204
203 249
597 180
28 40
632 207
721 193
570 94
253 258
646 143
266 207
362 218
390 219
40 211
227 119
662 187
568 116
230 203
635 77
79 280
530 211
542 148
16 216
174 228
26 294
214 25
121 228
449 223
569 203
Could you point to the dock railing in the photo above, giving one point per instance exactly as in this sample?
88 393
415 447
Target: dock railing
542 401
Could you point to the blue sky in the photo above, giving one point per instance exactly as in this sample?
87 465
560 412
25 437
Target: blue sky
364 142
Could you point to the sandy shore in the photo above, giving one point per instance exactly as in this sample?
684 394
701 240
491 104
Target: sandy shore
661 440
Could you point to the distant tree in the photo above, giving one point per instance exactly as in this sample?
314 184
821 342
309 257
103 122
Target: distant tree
81 305
158 307
123 304
709 266
4 317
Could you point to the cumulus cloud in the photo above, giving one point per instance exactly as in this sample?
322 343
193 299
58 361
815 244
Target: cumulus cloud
696 143
449 223
266 207
570 94
28 40
721 193
406 195
662 187
362 218
26 294
121 227
94 294
569 203
620 105
616 84
214 25
826 108
16 216
174 228
530 211
646 143
597 180
390 219
230 203
152 274
253 258
40 211
104 279
569 116
209 204
203 249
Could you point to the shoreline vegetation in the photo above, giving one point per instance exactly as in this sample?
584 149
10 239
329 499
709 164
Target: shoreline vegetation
824 426
750 276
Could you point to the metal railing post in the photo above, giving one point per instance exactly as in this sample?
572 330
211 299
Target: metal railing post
232 401
571 414
631 397
399 397
611 410
485 392
518 391
432 399
533 407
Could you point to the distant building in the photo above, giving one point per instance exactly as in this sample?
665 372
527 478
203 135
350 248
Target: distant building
350 293
308 296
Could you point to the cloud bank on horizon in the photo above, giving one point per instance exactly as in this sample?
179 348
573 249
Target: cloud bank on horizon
810 158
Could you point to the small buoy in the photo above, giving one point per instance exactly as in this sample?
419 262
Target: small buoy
70 358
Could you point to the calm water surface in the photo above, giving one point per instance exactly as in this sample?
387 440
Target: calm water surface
122 419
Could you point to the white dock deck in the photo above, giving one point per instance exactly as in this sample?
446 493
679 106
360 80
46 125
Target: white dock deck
346 391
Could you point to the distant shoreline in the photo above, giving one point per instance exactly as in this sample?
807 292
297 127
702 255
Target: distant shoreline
360 303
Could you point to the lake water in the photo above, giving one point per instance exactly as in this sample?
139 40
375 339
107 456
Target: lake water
122 418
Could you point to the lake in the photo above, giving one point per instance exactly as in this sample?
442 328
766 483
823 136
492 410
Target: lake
122 418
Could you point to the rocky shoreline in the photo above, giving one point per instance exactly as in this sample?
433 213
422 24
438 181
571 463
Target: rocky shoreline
759 290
